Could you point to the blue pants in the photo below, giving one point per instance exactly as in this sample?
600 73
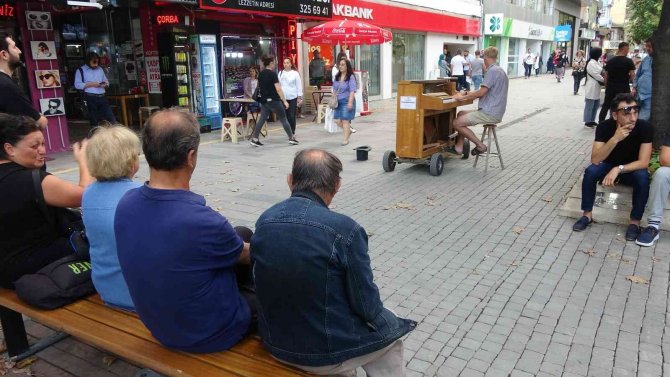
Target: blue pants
639 179
99 110
477 81
591 110
645 109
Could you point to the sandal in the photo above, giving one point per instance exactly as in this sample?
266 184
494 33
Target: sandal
476 151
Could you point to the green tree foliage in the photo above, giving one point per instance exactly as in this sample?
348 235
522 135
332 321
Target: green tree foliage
642 18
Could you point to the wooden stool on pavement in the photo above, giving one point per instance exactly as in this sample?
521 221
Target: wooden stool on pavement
229 127
145 112
486 138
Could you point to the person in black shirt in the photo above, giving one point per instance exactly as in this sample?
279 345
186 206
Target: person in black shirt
12 99
271 97
619 72
621 152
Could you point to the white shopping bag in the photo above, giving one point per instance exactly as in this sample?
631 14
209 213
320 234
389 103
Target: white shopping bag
330 124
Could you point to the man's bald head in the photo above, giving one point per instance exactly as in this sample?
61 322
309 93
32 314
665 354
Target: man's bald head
167 138
316 170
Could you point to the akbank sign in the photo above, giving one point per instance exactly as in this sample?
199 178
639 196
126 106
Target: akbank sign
353 12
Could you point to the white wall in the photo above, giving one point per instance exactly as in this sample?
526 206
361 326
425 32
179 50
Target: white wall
385 70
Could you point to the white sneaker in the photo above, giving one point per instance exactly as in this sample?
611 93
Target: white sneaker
353 130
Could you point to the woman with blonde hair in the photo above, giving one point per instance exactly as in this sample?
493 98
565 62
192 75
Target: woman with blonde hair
29 239
113 159
578 66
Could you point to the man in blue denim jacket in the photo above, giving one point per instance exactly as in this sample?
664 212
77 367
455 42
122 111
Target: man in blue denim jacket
319 308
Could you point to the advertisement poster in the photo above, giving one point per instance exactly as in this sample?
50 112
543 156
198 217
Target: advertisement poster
153 74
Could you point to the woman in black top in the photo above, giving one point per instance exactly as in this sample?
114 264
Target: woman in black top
272 100
28 241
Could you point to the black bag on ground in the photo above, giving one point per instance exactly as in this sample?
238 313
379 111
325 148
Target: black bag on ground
57 284
67 222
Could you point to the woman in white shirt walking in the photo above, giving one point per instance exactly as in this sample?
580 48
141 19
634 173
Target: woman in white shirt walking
291 84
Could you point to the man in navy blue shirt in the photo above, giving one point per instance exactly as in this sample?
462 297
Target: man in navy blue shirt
178 256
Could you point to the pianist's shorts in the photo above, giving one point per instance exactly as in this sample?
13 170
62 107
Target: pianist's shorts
478 117
342 112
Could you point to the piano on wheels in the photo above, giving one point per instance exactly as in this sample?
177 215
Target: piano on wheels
424 131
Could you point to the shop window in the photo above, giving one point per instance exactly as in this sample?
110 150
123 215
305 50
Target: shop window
513 57
370 60
408 58
238 55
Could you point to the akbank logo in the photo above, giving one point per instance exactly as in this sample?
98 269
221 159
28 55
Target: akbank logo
495 24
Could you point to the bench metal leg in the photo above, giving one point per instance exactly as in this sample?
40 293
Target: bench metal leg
16 338
147 373
14 331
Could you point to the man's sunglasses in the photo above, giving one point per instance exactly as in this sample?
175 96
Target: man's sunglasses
47 76
53 106
629 109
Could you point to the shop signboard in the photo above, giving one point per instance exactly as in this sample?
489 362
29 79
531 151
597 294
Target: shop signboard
153 72
587 33
493 24
312 9
403 18
6 10
526 30
563 33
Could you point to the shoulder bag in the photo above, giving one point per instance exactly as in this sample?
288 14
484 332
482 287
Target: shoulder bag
332 102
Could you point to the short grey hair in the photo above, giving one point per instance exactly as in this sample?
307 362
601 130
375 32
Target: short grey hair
316 170
167 138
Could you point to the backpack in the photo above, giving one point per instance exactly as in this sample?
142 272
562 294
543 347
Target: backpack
57 284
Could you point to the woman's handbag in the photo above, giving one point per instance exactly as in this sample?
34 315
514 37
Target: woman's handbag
332 101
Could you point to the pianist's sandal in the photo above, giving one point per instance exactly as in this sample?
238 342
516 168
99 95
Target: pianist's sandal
476 151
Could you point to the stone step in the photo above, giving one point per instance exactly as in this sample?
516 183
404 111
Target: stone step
612 205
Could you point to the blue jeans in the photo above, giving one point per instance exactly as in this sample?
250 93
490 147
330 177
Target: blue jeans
477 80
268 108
591 110
639 179
645 109
99 110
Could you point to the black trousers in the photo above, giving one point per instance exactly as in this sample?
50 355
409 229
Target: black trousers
462 83
245 281
610 93
577 76
99 110
291 112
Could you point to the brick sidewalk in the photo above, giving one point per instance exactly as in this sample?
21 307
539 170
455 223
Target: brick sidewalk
494 275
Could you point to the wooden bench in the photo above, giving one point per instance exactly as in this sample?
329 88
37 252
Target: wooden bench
123 334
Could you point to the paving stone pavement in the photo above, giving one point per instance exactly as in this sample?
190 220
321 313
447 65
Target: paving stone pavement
497 280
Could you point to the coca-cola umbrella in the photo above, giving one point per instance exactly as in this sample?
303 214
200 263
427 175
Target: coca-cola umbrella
346 32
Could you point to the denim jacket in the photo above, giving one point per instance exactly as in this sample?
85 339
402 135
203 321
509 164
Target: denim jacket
318 304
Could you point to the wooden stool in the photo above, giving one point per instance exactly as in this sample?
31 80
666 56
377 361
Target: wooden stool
488 129
145 112
229 128
321 112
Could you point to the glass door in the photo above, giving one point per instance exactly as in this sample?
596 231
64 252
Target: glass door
210 80
513 58
370 61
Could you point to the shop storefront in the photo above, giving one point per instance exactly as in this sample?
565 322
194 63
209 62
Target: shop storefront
586 38
513 38
418 39
247 31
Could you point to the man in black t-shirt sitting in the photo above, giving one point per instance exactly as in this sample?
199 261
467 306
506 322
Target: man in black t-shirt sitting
620 153
619 72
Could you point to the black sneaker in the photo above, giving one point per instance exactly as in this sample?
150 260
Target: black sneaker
632 232
648 236
256 143
293 141
582 224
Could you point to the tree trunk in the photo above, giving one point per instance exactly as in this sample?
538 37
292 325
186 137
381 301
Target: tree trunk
660 91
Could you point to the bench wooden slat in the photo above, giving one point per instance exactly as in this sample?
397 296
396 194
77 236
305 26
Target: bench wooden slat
237 357
123 334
